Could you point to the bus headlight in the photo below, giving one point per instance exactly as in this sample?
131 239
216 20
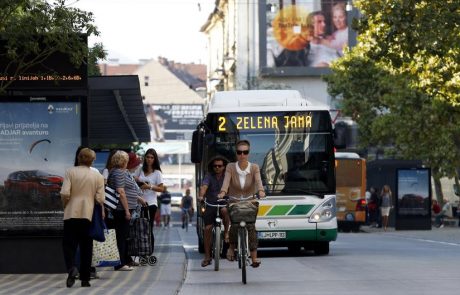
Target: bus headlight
324 212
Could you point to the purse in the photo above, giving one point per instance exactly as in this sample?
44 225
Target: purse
96 230
112 198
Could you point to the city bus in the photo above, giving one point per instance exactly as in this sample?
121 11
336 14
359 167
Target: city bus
350 171
292 142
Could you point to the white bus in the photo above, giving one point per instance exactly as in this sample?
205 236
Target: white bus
292 142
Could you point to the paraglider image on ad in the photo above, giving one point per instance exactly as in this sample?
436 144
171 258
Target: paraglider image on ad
37 144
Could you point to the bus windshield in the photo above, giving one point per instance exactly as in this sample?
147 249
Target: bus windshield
294 161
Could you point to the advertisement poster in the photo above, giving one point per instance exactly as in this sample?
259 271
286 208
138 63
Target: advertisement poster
305 33
173 122
413 192
37 143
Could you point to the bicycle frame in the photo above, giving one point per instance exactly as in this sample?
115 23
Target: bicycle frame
217 233
243 253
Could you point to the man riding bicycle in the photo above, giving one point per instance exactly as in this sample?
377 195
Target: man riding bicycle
209 189
186 206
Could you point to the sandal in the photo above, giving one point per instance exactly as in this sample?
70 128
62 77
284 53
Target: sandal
230 255
206 262
255 263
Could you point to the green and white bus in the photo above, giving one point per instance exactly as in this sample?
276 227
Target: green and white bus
292 142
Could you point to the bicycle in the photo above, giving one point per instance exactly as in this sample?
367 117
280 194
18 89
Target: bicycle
242 215
185 218
217 233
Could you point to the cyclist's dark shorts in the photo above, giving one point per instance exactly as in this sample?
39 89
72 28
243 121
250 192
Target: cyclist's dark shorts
209 215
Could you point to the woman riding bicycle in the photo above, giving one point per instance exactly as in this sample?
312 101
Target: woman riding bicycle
242 178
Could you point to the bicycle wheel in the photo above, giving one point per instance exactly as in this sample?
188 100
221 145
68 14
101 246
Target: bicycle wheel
217 242
238 255
243 254
186 221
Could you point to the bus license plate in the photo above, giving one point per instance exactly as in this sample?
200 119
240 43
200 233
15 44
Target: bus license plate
271 235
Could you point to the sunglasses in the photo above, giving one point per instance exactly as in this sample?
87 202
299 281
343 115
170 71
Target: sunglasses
242 152
218 166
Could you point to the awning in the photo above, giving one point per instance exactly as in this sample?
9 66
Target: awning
116 111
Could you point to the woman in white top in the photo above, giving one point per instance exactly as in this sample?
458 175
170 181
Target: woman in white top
108 166
150 179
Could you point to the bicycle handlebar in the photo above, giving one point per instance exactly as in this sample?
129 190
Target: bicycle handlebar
224 201
240 199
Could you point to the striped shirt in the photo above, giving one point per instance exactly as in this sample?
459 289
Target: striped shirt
119 178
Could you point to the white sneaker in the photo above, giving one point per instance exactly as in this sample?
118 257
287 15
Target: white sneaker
441 226
126 268
189 224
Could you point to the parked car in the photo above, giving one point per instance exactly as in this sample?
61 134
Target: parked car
35 183
176 198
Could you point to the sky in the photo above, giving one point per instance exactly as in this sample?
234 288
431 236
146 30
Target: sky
131 30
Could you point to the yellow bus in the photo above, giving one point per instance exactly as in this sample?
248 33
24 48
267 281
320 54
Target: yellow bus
350 171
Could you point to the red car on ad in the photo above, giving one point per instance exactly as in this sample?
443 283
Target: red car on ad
35 183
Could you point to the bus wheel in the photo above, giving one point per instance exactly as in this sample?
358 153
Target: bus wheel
321 248
294 249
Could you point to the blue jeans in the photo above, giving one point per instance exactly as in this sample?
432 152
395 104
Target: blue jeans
439 219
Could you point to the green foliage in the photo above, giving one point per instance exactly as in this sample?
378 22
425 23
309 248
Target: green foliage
37 28
401 83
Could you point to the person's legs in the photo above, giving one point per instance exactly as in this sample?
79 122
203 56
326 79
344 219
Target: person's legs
207 241
122 233
152 212
69 243
226 221
252 238
86 250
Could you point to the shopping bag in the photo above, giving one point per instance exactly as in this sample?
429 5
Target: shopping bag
140 242
243 211
106 253
96 230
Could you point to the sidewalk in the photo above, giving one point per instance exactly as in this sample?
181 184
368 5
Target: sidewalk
165 277
447 234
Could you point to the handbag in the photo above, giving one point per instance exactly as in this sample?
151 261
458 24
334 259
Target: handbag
112 198
106 253
96 230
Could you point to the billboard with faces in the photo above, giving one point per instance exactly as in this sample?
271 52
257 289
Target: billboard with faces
303 37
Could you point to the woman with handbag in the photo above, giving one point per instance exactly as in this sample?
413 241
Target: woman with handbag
242 178
82 186
130 194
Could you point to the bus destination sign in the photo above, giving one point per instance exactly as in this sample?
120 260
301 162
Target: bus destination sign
261 122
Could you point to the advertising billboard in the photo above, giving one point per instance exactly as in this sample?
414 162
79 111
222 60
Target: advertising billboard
37 143
173 121
302 37
413 192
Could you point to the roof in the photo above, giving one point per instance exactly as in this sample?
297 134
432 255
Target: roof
160 86
261 100
116 111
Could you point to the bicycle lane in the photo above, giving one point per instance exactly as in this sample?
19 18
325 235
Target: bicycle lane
205 280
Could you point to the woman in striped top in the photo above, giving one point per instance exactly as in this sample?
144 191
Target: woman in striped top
130 195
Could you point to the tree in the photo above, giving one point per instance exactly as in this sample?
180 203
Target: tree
401 83
35 29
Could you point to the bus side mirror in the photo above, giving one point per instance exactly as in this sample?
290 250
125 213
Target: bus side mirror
197 146
340 135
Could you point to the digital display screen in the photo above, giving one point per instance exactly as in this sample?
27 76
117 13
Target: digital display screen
312 121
